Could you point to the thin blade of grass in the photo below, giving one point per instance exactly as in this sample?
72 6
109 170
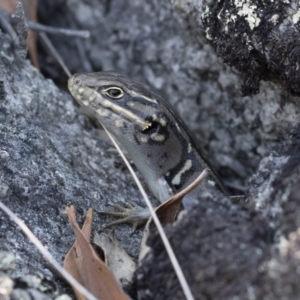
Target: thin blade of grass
182 280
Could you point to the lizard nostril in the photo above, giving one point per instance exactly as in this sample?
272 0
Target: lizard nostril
77 81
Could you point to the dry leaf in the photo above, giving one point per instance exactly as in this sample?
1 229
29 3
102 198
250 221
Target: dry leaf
118 261
83 263
31 13
168 211
8 5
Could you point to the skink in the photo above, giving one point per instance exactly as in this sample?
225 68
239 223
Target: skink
147 126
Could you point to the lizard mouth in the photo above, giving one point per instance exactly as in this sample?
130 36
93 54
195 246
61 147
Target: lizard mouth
91 98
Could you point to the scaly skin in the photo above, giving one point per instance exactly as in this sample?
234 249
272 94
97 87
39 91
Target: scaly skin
147 126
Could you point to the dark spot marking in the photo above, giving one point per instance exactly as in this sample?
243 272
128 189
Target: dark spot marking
177 186
2 90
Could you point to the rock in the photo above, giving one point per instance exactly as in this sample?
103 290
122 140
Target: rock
165 45
227 251
52 156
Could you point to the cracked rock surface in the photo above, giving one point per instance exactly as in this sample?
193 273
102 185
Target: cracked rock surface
52 156
259 38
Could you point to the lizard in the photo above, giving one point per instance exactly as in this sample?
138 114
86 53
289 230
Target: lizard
147 126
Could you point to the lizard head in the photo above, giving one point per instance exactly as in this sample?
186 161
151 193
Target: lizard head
126 108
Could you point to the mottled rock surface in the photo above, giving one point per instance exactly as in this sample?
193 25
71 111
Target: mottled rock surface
260 39
52 156
237 252
152 43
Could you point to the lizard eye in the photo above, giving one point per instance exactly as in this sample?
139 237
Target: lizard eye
114 92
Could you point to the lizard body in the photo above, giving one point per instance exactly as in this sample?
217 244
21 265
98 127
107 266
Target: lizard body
147 126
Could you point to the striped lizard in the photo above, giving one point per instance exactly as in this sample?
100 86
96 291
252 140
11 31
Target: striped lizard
146 125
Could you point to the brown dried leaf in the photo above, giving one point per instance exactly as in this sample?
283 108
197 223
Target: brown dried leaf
83 263
8 5
167 212
31 13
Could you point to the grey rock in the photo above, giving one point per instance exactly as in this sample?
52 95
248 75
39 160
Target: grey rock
259 39
220 248
6 286
7 261
30 294
51 156
248 251
63 297
54 161
164 45
24 287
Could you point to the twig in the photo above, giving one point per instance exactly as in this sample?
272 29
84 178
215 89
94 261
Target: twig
5 24
58 31
22 31
47 255
55 53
